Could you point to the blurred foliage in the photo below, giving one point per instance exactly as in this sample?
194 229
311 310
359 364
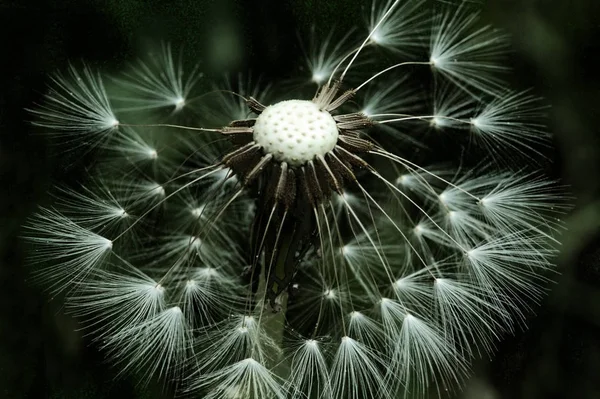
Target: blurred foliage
42 352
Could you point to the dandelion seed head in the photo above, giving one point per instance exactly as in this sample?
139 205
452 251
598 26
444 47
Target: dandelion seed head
304 249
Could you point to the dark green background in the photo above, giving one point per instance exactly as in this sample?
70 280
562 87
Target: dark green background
556 42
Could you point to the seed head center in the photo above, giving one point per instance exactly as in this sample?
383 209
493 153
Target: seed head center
295 131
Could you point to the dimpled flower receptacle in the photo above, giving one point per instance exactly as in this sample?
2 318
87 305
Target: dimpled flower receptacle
295 131
265 242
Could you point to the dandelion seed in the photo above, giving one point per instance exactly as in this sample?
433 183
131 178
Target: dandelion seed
421 351
77 250
209 295
244 379
160 83
404 30
117 301
134 148
156 347
323 58
356 373
230 103
467 55
310 373
95 208
77 107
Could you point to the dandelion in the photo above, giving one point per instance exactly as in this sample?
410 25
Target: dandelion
256 242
